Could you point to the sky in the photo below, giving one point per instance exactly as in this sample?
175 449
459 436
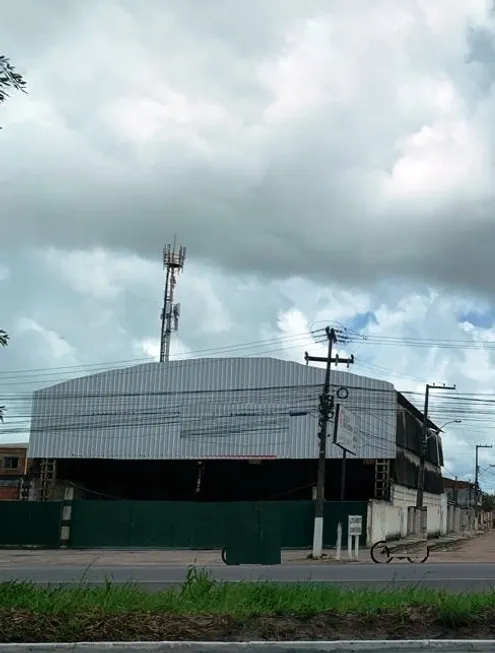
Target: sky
324 163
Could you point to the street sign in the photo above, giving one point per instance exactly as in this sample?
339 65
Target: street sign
355 525
346 429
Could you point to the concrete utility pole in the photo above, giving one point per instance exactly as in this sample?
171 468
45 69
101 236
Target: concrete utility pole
424 445
326 409
477 473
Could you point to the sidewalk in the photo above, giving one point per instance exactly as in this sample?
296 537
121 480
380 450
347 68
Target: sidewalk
445 549
477 549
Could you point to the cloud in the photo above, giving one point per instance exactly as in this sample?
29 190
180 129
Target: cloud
334 147
53 346
280 319
324 162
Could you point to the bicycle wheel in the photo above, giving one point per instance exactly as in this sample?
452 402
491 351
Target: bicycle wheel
380 553
224 555
418 560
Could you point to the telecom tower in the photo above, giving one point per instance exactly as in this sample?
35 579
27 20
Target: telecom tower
173 262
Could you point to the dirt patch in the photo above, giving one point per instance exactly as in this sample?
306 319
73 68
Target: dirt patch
21 626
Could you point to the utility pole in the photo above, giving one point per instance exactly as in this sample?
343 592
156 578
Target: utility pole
426 437
326 410
477 473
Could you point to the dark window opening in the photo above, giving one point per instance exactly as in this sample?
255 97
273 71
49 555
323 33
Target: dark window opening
11 462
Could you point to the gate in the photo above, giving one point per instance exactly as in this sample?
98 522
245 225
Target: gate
198 525
30 523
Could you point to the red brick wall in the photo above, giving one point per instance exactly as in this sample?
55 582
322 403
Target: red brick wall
11 452
9 478
9 493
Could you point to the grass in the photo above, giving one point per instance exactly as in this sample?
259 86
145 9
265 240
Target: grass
205 609
201 594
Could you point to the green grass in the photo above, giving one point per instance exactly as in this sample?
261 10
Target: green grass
202 595
206 610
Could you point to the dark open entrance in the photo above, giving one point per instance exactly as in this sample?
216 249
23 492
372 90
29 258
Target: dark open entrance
215 480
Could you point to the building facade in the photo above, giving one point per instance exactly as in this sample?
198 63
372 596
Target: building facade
461 493
206 409
13 465
209 429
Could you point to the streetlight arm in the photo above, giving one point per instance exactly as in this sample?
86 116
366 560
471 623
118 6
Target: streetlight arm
452 421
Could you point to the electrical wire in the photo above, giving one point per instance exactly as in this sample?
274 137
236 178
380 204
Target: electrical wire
295 340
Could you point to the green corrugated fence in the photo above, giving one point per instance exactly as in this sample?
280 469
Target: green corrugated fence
30 523
196 525
164 524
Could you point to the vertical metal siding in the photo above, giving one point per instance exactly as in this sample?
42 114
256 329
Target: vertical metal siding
205 408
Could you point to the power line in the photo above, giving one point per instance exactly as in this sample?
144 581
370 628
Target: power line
207 353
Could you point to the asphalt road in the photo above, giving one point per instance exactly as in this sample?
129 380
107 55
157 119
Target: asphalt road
453 577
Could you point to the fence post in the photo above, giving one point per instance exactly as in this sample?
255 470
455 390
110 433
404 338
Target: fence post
66 516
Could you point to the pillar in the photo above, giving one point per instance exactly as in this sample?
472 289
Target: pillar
66 516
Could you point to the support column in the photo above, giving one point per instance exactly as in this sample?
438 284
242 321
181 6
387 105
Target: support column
66 516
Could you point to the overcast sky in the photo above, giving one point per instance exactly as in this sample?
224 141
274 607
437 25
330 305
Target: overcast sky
322 161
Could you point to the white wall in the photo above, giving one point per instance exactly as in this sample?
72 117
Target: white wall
388 520
404 497
385 522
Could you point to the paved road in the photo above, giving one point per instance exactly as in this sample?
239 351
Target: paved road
453 577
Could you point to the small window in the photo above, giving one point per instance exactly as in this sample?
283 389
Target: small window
11 462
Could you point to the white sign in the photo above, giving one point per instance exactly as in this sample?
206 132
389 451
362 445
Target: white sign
355 525
346 429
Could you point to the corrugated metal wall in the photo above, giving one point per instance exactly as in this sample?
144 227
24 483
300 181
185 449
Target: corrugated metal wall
204 408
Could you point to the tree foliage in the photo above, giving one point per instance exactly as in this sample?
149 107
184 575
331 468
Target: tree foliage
9 79
488 502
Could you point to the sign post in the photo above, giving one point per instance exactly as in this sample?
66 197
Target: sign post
345 436
354 530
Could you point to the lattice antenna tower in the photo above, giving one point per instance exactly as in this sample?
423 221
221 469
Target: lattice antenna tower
173 263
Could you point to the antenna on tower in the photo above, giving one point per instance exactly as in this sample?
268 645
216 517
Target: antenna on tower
173 262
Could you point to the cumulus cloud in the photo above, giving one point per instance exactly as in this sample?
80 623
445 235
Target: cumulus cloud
350 142
283 320
324 162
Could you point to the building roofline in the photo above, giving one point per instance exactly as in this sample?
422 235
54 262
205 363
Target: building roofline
450 482
405 403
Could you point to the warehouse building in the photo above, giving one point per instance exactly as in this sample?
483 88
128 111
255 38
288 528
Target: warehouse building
220 429
207 429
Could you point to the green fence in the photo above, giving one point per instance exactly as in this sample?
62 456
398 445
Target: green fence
30 523
195 525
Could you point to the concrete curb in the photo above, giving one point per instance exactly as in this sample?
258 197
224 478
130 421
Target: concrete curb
364 646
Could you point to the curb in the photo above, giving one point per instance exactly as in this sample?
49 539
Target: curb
364 646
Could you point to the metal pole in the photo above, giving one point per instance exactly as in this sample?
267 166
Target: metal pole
424 448
476 468
163 355
325 408
342 480
424 444
477 473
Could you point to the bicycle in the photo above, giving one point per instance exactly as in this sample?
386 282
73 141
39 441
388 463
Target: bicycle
381 554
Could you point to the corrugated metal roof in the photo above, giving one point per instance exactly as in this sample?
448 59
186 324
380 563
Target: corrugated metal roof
205 408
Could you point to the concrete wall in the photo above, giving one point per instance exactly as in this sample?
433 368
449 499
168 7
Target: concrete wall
465 496
385 522
394 519
403 497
